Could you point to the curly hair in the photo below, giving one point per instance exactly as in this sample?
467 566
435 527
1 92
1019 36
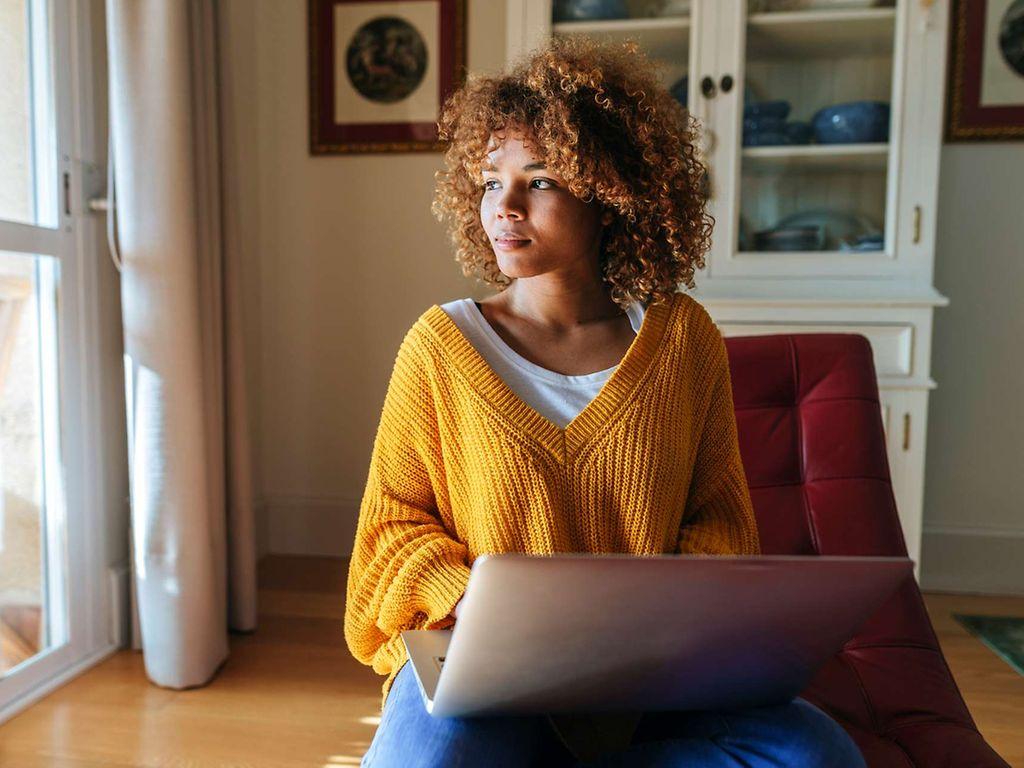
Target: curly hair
604 122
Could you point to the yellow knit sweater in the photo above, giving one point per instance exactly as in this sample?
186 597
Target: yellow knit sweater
461 465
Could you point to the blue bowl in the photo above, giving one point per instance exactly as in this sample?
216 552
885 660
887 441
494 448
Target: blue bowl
764 123
855 121
679 90
757 109
874 241
589 10
804 238
765 138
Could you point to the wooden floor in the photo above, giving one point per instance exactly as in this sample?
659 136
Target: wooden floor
291 695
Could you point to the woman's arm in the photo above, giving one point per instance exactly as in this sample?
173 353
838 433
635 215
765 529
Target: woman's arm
719 516
407 571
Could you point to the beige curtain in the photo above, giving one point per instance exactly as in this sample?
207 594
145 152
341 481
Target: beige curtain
193 534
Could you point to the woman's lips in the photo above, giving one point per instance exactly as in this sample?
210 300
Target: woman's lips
510 244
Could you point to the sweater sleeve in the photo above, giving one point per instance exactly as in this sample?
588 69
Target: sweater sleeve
719 515
406 571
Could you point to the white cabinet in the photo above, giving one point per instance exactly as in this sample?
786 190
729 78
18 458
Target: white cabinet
859 211
903 413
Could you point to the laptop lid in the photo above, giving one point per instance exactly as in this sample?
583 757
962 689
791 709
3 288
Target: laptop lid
581 632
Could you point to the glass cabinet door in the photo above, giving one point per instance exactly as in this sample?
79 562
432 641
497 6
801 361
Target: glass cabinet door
811 132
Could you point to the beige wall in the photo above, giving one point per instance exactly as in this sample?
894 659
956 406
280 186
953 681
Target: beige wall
342 255
974 476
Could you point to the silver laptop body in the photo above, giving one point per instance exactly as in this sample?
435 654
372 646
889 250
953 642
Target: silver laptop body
580 632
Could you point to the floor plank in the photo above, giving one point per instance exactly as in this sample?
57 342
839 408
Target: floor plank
993 690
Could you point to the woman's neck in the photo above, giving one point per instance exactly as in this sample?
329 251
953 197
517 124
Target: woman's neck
559 312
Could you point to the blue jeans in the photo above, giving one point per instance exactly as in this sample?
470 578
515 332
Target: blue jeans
793 734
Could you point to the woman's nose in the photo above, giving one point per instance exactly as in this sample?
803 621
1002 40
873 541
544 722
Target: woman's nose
509 205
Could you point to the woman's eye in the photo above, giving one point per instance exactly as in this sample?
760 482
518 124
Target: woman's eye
542 181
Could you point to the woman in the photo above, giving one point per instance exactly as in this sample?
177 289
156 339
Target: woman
586 407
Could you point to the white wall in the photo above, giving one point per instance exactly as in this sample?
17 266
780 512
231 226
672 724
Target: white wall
342 255
974 472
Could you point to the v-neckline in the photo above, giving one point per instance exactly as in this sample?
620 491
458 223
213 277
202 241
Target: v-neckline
546 374
616 390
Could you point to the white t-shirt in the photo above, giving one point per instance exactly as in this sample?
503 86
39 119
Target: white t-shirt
556 396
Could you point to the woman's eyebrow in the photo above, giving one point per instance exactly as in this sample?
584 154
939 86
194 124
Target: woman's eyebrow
527 167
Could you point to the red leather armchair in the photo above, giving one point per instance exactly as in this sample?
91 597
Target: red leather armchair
813 447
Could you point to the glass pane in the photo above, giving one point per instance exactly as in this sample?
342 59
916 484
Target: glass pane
816 118
661 27
31 600
28 192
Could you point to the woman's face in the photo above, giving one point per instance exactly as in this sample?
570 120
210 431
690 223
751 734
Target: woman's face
522 199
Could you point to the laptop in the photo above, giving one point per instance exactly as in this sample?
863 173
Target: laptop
615 632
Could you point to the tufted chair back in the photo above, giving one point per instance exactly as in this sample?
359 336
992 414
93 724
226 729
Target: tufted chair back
813 447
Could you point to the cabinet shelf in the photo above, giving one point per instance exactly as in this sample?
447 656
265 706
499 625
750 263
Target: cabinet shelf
816 158
820 34
665 38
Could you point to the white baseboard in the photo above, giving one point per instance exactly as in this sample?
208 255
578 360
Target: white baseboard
308 525
984 561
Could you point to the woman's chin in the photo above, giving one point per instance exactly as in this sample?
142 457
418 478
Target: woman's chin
518 264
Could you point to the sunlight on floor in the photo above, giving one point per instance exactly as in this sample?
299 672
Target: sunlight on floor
341 760
370 720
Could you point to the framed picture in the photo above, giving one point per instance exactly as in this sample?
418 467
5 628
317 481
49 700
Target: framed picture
985 93
379 71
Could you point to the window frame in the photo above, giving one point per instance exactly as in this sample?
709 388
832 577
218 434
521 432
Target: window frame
92 498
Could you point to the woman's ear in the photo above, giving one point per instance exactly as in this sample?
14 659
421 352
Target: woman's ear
607 218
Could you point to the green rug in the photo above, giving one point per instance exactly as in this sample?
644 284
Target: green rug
1003 634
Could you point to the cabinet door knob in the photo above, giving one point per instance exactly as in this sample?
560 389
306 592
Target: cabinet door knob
707 86
726 84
